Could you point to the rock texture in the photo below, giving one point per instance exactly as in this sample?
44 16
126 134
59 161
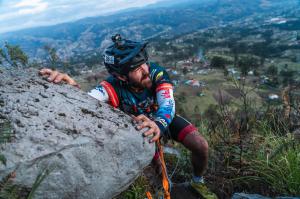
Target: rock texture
93 149
257 196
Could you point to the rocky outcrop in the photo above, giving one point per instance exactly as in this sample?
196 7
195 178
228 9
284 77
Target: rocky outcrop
92 149
257 196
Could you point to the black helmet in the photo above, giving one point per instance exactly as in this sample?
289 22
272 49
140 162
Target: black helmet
124 55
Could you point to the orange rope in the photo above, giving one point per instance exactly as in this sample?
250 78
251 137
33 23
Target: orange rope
148 194
165 181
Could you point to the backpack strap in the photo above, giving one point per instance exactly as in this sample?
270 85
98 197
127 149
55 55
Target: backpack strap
113 97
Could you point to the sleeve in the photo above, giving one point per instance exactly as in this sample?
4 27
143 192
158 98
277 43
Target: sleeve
165 100
105 92
99 93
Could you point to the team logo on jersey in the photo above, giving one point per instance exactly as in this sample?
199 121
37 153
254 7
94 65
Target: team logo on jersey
100 88
166 94
159 76
162 121
109 59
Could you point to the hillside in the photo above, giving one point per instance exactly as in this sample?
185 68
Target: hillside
235 69
85 39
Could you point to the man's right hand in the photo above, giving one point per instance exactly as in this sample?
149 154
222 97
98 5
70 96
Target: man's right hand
57 77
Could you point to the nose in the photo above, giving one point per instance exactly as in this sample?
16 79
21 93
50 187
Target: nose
144 67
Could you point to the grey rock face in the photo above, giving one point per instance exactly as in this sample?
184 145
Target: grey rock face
257 196
248 196
93 149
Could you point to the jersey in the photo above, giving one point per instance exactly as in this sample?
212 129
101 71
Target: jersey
157 102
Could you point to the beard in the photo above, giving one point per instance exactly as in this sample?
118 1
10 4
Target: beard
145 82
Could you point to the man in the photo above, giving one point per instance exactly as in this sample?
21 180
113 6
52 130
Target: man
145 91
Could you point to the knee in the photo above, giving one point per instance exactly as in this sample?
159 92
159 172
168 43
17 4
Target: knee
202 144
196 143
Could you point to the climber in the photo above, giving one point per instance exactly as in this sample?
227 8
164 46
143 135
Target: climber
144 90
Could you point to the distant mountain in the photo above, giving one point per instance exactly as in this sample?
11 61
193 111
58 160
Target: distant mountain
88 37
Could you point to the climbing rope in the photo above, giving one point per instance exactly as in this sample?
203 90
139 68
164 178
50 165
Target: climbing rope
165 179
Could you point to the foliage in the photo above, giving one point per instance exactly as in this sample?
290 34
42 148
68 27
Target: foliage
272 70
247 63
39 179
5 136
218 62
52 56
10 190
262 50
55 62
288 76
136 190
2 159
276 165
13 55
251 148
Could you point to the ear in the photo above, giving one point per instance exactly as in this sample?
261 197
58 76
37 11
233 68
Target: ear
122 77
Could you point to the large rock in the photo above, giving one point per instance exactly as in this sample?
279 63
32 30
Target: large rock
257 196
93 149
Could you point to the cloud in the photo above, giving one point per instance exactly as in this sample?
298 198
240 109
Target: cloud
32 7
16 14
28 3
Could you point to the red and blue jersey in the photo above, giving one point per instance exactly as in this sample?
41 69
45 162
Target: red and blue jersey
157 102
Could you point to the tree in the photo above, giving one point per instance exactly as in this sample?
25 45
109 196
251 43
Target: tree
218 62
272 70
13 55
288 76
57 63
294 58
256 73
261 49
236 49
225 72
184 70
196 109
247 63
52 56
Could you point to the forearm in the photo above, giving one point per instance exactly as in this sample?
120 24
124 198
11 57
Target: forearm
166 103
57 77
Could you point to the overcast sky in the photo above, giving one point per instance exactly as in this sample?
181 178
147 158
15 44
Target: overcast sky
20 14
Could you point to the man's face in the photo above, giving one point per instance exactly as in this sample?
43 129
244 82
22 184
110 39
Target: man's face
140 78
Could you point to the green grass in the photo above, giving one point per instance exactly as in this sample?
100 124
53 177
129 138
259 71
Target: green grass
137 190
277 165
280 63
215 82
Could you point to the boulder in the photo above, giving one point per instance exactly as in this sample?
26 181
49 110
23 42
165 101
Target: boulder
92 149
248 196
257 196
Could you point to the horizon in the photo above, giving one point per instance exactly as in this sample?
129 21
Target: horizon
23 14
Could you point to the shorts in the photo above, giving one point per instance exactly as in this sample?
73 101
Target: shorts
179 128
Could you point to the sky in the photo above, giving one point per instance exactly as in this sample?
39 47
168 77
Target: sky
20 14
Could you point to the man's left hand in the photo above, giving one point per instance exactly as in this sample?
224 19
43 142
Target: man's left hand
144 122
